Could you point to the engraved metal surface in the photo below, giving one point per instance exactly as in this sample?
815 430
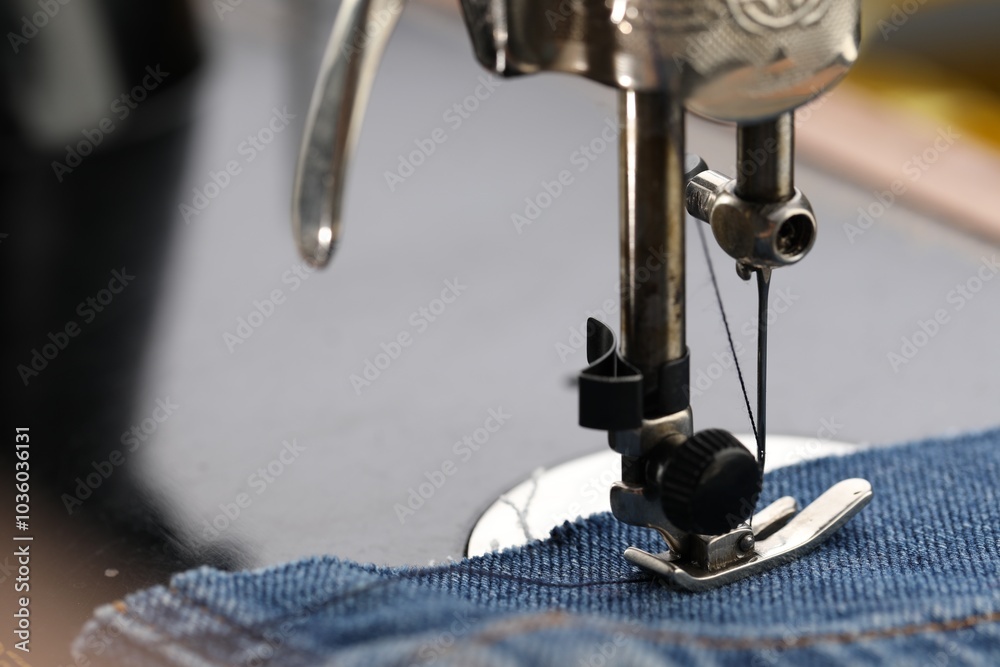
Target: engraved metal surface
731 60
763 15
738 60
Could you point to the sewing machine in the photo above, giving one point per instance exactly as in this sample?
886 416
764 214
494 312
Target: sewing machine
750 62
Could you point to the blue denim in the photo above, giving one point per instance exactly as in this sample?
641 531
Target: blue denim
913 580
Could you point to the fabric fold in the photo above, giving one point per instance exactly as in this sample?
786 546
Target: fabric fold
913 579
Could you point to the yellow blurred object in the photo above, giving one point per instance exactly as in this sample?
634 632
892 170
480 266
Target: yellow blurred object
871 10
942 95
926 88
904 73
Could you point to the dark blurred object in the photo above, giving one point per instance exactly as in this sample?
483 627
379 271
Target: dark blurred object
937 59
68 66
94 124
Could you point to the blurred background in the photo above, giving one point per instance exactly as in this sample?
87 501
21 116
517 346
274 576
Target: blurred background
188 382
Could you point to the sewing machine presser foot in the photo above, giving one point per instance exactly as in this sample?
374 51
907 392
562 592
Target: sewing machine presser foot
777 535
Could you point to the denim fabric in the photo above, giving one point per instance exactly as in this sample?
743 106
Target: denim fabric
913 580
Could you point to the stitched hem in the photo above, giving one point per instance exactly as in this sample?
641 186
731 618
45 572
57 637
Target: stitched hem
522 626
508 628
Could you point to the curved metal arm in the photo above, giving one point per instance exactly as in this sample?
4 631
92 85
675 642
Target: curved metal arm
360 34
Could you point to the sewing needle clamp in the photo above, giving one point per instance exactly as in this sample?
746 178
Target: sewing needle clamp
747 62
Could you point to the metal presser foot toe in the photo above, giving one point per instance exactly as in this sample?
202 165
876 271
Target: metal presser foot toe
780 534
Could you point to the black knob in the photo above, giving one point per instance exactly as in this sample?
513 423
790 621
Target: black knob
710 484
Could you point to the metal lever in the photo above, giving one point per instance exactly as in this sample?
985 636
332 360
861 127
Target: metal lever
358 40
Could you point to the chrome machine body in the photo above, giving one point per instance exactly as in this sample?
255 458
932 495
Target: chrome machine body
751 62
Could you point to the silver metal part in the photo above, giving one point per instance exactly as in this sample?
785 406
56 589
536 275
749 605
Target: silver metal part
359 37
652 225
727 59
637 442
629 501
716 552
703 190
651 172
765 159
760 234
774 517
759 218
801 534
630 504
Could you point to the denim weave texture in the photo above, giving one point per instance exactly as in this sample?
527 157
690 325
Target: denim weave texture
914 579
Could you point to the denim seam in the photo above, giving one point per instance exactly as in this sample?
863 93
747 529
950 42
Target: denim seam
411 575
527 626
123 609
470 571
524 626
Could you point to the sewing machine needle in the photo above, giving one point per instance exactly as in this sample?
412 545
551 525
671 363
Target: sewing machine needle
763 288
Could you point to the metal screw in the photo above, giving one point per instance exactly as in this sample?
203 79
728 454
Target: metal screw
746 542
744 271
